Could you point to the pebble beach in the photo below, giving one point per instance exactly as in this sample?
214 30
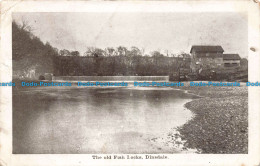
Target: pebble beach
220 122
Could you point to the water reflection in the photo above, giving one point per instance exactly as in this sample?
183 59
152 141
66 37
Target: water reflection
95 120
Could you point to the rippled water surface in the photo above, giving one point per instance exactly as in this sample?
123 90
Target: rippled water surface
95 120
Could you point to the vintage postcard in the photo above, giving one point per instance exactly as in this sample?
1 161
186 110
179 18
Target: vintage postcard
130 83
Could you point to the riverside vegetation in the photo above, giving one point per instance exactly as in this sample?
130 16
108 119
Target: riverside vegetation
220 124
31 54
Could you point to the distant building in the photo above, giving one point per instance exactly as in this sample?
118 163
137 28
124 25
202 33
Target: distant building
231 60
212 58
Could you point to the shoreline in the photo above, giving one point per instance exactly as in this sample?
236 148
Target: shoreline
220 122
172 139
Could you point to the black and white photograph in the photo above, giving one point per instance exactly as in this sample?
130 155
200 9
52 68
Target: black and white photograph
130 47
129 83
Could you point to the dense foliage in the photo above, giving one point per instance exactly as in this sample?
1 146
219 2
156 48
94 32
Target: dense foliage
32 58
116 61
115 65
30 53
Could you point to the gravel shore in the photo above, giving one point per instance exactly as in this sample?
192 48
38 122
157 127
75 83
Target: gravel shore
220 123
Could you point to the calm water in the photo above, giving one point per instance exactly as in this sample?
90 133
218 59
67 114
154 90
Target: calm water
95 120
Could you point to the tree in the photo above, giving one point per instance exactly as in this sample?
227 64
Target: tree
110 51
156 54
93 51
121 51
29 52
244 64
135 51
64 52
74 53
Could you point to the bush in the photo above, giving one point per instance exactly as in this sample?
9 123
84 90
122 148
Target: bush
41 77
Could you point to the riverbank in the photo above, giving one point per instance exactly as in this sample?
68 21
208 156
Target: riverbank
220 124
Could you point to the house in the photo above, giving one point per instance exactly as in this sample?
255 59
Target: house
231 60
211 58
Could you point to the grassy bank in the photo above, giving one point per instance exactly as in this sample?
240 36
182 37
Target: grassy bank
220 123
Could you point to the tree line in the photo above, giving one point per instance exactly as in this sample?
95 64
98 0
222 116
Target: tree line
30 53
115 62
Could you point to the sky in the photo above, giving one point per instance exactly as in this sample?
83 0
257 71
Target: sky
175 32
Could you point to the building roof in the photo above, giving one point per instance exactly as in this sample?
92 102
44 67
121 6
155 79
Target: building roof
231 57
205 49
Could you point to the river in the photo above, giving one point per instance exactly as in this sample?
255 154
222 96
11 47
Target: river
95 120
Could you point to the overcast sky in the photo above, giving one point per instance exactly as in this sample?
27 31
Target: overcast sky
175 32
